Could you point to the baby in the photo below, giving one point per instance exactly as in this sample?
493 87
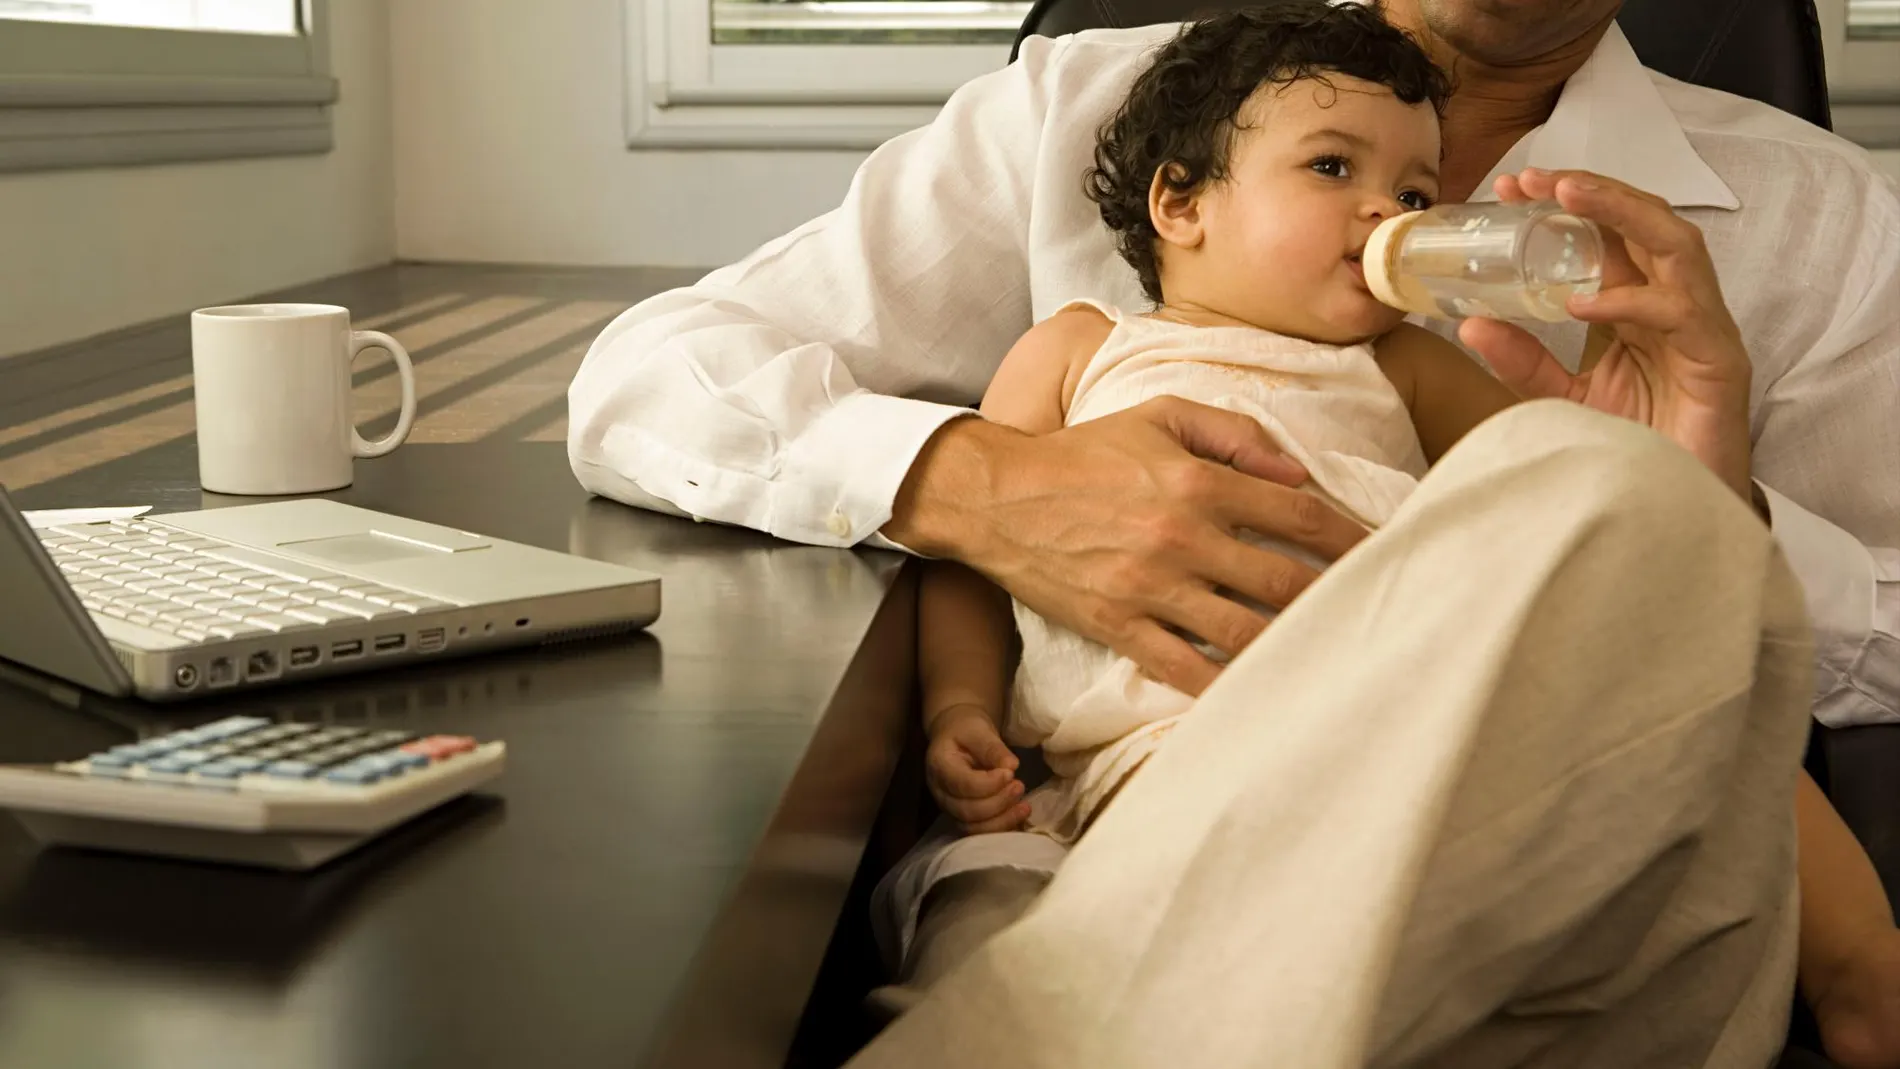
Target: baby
1242 178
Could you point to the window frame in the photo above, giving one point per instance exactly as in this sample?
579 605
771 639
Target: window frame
82 95
1863 76
685 92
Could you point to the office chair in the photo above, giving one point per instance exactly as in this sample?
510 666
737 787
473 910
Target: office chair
1767 50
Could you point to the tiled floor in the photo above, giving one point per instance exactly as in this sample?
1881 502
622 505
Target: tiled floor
494 349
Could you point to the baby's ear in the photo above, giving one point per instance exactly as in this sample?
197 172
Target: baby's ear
1175 212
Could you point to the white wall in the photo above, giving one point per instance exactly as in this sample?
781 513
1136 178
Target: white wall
84 252
512 148
1889 159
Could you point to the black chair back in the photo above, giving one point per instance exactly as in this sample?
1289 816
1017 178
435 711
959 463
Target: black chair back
1767 50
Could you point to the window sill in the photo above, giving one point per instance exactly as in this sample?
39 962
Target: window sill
52 122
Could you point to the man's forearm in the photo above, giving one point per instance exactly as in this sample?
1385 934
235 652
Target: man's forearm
939 506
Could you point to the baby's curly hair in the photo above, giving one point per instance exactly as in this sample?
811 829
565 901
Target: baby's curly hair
1182 112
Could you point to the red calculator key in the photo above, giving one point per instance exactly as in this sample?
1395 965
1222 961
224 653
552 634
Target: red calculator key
437 747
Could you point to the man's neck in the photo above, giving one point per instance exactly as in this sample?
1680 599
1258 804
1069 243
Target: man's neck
1493 106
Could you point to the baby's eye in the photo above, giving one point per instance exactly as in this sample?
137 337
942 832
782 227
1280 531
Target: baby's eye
1332 167
1414 200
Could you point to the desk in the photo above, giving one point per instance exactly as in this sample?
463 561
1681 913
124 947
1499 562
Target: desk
654 883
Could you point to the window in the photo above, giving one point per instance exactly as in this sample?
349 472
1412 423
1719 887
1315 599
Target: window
108 82
1872 19
803 73
1862 38
229 16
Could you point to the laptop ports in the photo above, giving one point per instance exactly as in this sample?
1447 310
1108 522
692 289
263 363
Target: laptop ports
222 673
431 639
391 643
262 664
344 650
186 676
304 656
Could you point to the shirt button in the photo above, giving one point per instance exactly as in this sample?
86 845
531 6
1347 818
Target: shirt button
838 525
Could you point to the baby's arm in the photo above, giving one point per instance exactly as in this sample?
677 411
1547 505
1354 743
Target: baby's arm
1447 392
965 630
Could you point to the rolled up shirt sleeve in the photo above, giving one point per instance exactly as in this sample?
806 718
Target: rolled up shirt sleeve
792 391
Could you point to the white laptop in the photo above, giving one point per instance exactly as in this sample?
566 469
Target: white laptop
184 605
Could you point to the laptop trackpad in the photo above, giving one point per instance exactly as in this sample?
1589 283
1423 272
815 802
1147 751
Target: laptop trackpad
366 548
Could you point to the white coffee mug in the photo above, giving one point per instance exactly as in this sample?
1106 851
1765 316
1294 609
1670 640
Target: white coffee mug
273 393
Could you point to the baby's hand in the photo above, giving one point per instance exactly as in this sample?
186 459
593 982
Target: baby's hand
972 773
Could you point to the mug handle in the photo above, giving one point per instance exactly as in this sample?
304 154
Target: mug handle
376 339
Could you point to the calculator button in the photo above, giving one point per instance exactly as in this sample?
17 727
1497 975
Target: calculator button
233 725
178 761
243 763
388 762
291 769
437 747
218 770
355 774
111 760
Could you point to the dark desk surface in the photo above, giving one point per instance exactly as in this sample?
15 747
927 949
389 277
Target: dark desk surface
653 881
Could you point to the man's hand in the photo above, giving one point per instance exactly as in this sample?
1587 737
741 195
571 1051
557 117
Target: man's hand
1124 528
1677 362
972 773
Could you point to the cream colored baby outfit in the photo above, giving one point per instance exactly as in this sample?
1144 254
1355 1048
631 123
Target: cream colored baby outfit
1096 715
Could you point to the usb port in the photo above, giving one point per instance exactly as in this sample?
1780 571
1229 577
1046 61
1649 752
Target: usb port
391 643
431 639
341 650
303 656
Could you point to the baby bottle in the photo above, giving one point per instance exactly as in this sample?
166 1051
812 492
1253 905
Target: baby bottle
1499 261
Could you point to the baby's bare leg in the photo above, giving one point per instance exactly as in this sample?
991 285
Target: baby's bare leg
1850 949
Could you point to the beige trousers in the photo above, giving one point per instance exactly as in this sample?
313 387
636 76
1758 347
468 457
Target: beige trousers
1512 785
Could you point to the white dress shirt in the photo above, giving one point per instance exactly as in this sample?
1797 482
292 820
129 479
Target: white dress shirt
791 391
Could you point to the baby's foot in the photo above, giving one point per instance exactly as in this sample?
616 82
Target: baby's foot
1859 1011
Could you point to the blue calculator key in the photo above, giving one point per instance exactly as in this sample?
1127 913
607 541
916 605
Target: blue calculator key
291 769
413 760
233 725
355 774
242 764
182 761
217 770
166 744
387 762
111 760
132 751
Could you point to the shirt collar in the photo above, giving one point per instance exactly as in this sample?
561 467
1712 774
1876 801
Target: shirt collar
1611 119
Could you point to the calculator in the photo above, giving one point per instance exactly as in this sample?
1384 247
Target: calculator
247 790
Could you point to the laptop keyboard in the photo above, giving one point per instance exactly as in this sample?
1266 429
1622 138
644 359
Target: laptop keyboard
202 589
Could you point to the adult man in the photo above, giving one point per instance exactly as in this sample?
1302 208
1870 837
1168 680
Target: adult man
735 400
749 398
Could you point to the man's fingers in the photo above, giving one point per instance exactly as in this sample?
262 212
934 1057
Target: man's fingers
1656 307
968 811
1227 438
1169 658
1520 360
1639 217
1011 819
1218 621
1295 515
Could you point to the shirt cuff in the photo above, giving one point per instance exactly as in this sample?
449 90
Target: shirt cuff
842 473
1838 576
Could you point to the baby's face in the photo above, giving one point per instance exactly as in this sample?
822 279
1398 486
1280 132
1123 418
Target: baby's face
1316 166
